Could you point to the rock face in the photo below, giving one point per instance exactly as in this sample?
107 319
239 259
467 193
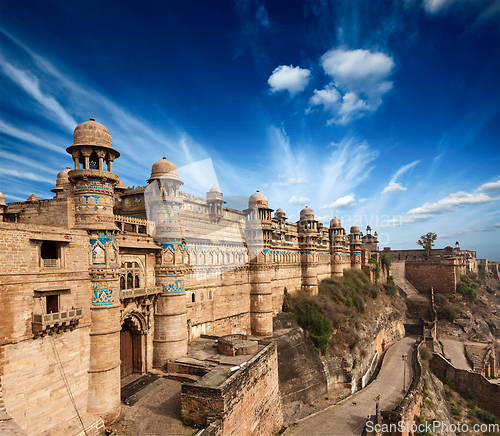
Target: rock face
304 375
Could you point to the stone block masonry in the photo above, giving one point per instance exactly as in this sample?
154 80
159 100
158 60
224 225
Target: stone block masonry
247 403
471 383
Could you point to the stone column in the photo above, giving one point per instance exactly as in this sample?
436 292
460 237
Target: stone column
261 298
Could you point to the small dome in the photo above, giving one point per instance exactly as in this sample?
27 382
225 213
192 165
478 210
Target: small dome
354 229
335 222
257 200
120 186
2 199
62 177
164 168
279 213
214 189
92 133
306 214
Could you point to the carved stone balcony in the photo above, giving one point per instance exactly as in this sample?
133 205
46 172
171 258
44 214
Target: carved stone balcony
56 322
139 292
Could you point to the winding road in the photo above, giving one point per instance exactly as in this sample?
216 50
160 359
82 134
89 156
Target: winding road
349 416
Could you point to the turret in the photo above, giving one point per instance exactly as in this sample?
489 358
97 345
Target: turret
308 237
355 247
92 186
258 232
163 204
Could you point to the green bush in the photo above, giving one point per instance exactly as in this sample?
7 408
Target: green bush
447 313
377 268
487 417
390 286
310 317
468 288
425 353
386 263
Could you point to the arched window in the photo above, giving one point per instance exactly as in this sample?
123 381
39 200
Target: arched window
136 282
193 297
122 282
129 281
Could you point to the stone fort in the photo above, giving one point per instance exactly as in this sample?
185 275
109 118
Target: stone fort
118 280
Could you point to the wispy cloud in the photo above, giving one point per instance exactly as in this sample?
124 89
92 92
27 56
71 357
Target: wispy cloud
30 84
450 203
289 78
360 80
482 228
25 175
394 186
291 182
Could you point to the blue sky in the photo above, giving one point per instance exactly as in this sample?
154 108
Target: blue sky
378 112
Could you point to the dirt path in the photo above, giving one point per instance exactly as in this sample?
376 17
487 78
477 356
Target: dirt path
454 352
349 416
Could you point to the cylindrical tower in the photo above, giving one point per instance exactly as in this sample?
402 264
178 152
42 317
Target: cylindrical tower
92 187
258 234
308 238
338 248
163 204
355 246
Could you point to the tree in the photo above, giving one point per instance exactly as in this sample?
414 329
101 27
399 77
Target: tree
427 242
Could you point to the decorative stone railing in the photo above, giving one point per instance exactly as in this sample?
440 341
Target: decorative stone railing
139 292
55 322
50 263
121 220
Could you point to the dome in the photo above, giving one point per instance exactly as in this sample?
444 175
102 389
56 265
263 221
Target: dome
306 214
279 213
92 133
62 177
2 199
257 200
120 186
214 189
354 229
335 222
164 168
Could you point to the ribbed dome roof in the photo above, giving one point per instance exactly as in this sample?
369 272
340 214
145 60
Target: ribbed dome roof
214 189
164 168
335 222
92 133
62 177
307 214
354 229
257 200
120 186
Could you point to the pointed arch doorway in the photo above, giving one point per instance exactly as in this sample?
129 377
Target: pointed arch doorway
131 343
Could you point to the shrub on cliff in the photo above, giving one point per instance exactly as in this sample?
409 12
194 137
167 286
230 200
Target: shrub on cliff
482 272
468 288
310 317
377 268
390 286
386 263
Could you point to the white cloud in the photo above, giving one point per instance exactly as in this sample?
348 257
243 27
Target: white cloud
289 78
449 203
483 11
359 82
298 200
490 187
29 83
434 6
323 218
341 203
394 186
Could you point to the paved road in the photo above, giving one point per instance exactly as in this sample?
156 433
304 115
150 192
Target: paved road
348 418
454 352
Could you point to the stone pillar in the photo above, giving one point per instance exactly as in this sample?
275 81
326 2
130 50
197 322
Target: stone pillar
309 273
